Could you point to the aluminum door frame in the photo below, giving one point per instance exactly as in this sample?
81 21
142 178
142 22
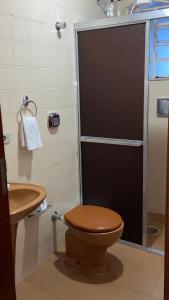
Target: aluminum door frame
115 22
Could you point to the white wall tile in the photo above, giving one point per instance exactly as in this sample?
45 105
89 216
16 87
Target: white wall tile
20 29
36 31
35 9
49 11
65 59
4 7
19 8
37 56
7 78
52 39
157 149
44 78
5 28
43 57
50 57
6 54
23 78
22 54
45 250
10 124
9 102
54 98
87 10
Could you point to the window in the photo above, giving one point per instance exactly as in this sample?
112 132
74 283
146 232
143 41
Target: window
159 49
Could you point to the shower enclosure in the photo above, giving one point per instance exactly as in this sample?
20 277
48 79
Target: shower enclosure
113 93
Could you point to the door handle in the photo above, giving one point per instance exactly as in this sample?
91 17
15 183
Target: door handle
120 142
3 172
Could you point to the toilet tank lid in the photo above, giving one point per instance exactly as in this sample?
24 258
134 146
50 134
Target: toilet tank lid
94 219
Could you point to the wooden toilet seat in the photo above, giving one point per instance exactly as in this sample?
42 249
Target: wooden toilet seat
94 219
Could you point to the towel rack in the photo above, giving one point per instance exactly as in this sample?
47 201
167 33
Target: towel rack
26 102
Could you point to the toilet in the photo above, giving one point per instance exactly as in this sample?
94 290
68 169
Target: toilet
91 230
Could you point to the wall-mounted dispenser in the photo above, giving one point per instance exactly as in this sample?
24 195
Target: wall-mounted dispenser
53 120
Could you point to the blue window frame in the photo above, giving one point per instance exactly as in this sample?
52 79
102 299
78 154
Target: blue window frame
159 49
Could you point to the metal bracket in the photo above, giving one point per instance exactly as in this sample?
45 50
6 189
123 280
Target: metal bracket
60 25
56 216
26 102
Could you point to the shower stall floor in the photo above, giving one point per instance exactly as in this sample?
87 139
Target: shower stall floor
156 241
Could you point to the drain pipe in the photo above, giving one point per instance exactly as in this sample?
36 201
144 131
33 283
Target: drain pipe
54 218
57 217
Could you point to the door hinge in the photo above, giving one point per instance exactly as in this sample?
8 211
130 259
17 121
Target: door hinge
3 176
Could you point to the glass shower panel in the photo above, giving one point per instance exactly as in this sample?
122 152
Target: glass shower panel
157 133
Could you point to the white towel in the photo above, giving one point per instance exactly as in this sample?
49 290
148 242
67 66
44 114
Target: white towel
22 136
43 207
30 134
40 210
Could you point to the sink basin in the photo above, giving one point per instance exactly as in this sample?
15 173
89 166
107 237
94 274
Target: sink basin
23 199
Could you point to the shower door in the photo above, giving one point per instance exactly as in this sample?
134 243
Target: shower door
111 90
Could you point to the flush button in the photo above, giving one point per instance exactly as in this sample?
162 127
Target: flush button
162 107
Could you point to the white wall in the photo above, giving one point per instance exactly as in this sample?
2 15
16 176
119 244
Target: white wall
157 154
85 10
35 62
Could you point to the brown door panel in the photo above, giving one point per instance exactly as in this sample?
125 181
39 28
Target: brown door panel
111 72
112 176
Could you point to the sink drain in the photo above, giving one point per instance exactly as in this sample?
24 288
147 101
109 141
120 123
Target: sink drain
153 230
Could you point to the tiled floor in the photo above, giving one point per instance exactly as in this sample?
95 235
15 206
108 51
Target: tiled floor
133 275
157 241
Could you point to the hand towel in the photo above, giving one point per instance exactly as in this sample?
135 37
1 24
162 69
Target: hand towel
22 135
43 206
30 134
40 210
